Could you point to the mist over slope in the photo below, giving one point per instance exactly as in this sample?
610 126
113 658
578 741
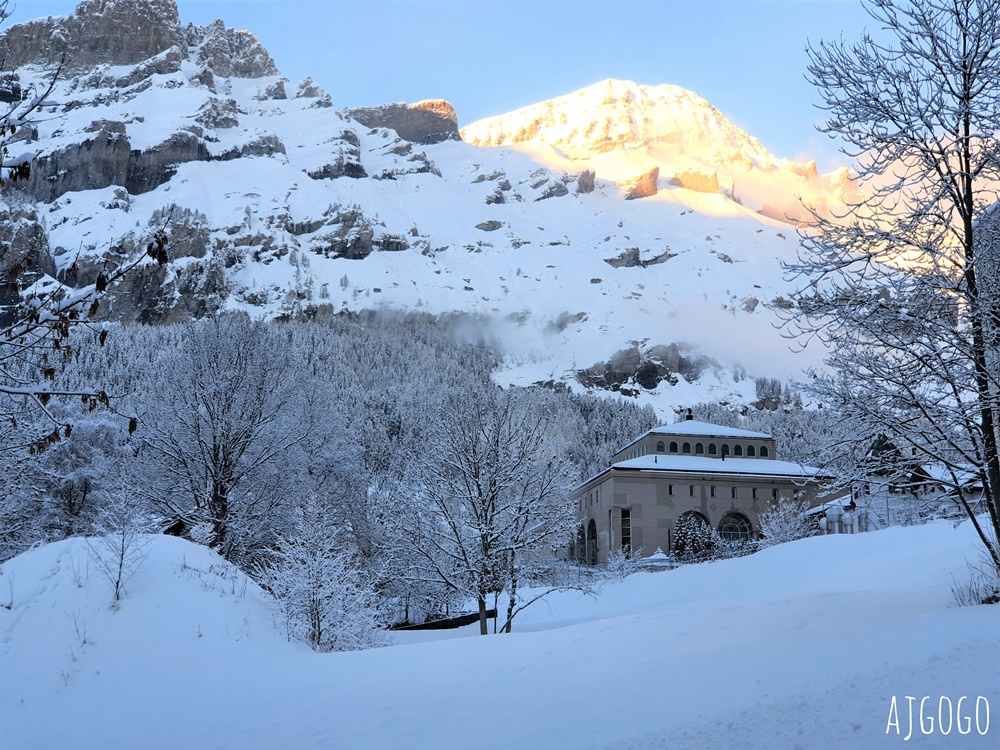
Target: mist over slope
280 204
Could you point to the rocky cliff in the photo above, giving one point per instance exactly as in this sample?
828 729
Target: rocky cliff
430 121
279 204
126 32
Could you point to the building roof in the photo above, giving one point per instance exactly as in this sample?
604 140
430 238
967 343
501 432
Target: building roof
693 427
731 467
712 465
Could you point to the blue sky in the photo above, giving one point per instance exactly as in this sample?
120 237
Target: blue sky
491 56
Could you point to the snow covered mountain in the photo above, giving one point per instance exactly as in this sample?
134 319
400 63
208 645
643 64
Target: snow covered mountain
277 203
623 130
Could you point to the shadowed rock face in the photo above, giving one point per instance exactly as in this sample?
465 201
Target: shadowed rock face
126 32
22 238
229 52
646 368
431 121
117 32
24 245
110 160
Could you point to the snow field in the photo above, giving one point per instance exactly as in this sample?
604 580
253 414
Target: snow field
803 645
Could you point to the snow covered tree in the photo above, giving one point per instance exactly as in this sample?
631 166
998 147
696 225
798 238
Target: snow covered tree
900 288
623 563
694 539
324 593
119 544
490 499
784 521
226 421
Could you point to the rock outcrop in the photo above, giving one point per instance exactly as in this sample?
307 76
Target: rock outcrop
106 158
346 163
228 52
697 180
149 169
128 32
116 32
99 161
219 114
633 258
430 121
23 241
645 368
643 186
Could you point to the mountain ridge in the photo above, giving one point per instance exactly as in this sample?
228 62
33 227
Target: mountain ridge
279 204
621 129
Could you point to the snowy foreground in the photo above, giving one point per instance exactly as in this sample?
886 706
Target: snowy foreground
802 646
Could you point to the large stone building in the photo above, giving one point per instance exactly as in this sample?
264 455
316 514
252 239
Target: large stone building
724 475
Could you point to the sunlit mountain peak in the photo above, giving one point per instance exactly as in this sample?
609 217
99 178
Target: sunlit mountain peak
622 129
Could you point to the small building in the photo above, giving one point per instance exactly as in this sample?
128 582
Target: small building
723 475
901 488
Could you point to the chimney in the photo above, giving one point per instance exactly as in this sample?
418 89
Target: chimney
689 415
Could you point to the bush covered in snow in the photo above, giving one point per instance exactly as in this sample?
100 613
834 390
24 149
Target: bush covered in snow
785 521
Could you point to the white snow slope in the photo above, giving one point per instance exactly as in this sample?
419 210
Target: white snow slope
801 646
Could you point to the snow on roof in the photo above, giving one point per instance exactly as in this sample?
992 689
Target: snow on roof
706 429
948 476
728 467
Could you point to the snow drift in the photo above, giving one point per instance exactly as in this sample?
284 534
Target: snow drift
803 645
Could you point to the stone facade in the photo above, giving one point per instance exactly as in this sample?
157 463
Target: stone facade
726 476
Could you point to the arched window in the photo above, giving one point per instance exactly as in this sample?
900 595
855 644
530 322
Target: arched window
735 527
660 447
725 449
738 450
699 449
673 447
686 448
763 451
712 450
751 451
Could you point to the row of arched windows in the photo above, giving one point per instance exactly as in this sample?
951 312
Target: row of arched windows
713 449
733 526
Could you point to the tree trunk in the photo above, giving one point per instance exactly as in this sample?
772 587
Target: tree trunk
482 615
513 594
219 512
